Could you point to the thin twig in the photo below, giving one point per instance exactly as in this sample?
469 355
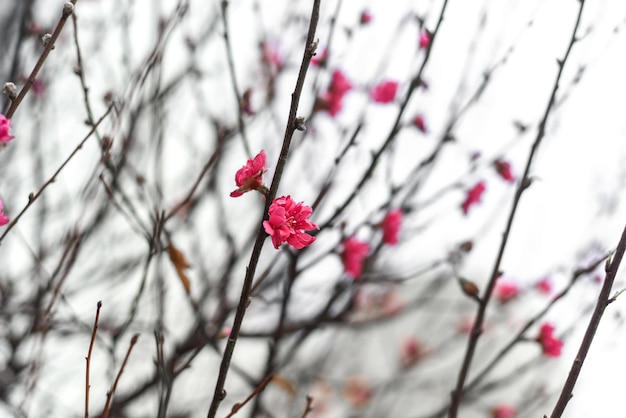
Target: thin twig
67 11
256 391
594 322
457 393
88 358
107 407
309 50
309 406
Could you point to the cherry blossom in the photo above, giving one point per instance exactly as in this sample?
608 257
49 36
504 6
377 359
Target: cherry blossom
550 345
353 255
384 92
287 223
366 17
544 286
411 352
391 226
506 290
503 411
3 218
5 127
419 123
424 41
357 391
473 196
250 176
332 100
504 170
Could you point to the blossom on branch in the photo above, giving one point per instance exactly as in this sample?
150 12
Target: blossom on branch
503 411
550 345
332 100
3 218
504 170
287 223
419 123
391 226
424 39
384 92
506 290
366 17
353 255
5 127
473 196
250 176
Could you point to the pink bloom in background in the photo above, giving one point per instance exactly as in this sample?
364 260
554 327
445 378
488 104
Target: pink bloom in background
506 290
550 345
353 255
332 100
384 92
250 176
5 127
544 286
424 39
357 391
504 170
339 84
39 88
503 411
3 218
271 55
411 352
391 226
473 196
419 123
320 58
287 223
366 17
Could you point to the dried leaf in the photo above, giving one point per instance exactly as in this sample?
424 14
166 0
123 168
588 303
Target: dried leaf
284 384
180 264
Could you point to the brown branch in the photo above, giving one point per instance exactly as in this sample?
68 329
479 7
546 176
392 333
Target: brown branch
594 322
107 407
68 8
88 358
309 406
457 393
256 391
309 50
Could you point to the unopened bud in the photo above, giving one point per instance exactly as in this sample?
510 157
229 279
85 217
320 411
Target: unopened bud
10 90
46 39
469 288
68 9
300 123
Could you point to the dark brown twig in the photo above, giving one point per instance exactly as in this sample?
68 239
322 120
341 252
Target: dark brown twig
309 406
107 407
88 358
255 392
594 322
457 394
309 50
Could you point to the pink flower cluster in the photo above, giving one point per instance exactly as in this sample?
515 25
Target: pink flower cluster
353 255
473 196
5 127
391 226
384 92
287 222
550 345
250 176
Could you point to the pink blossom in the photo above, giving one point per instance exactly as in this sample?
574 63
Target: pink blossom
5 127
503 411
506 290
473 196
550 345
366 17
39 88
250 176
504 170
384 92
391 226
3 218
357 391
411 352
271 55
544 286
353 255
424 39
287 223
339 84
320 58
419 123
332 100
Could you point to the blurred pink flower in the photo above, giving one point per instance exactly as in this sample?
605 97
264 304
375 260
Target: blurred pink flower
473 196
544 286
419 123
357 391
384 92
339 84
250 176
411 352
3 218
332 100
320 57
503 411
353 255
504 170
391 226
506 290
39 88
271 55
287 222
424 39
550 345
5 127
366 17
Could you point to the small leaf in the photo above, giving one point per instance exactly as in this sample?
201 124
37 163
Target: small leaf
284 384
180 264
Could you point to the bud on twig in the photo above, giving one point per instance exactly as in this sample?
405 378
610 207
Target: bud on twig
45 39
68 9
469 288
10 90
300 120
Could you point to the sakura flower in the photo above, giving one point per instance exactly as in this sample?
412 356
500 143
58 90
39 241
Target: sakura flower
287 223
506 290
550 345
391 226
339 84
411 352
424 41
357 391
504 170
503 411
353 255
3 218
250 176
419 123
332 100
473 196
271 55
5 127
384 92
544 286
366 17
